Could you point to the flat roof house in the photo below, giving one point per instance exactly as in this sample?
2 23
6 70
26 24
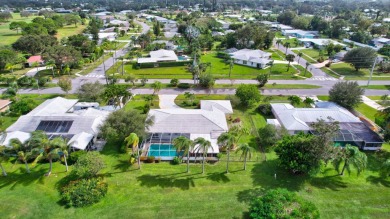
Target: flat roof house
76 121
300 33
251 58
208 122
352 129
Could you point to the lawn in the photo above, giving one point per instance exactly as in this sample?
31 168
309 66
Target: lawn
9 36
162 190
367 111
218 68
350 73
377 87
70 30
313 53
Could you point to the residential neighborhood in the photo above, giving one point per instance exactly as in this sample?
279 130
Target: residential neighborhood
195 109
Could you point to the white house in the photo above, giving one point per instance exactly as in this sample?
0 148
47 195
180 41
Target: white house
75 121
352 129
161 55
252 58
208 122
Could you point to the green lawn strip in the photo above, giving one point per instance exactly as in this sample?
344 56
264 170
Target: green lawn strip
377 87
329 72
138 102
323 97
367 111
350 73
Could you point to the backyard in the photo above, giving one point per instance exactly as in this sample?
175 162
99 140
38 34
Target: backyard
165 191
218 68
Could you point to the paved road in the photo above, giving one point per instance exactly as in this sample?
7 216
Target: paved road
145 27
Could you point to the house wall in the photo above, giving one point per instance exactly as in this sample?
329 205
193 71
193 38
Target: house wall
248 63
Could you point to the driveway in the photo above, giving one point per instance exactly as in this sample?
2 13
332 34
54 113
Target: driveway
168 102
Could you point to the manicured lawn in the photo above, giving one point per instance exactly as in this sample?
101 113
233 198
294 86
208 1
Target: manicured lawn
377 87
313 53
162 190
274 86
350 73
218 68
70 30
367 111
9 36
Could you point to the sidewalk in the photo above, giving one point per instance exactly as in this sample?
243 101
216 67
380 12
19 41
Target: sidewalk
371 103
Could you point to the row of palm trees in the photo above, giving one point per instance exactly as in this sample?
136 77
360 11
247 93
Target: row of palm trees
185 146
38 147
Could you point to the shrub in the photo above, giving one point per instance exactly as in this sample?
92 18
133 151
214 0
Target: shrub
237 120
280 203
143 158
328 64
146 108
183 85
83 192
176 161
320 59
234 100
88 165
265 109
174 82
219 155
43 80
158 160
74 156
22 106
150 159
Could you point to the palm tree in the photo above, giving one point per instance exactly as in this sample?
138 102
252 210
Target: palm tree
290 58
185 145
307 65
227 140
246 152
300 54
20 150
3 157
52 65
63 149
287 45
49 152
351 155
230 62
133 141
156 87
202 146
308 101
278 42
238 131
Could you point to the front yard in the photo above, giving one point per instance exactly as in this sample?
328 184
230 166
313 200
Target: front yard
349 72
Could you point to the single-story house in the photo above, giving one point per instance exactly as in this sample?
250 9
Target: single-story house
300 33
208 122
119 23
360 44
252 58
35 59
77 122
161 55
283 27
320 42
380 42
4 105
352 129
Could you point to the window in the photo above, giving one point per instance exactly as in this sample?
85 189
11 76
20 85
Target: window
55 126
244 62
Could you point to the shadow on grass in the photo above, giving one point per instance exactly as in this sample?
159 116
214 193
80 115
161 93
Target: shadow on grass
14 179
378 180
334 182
218 177
166 182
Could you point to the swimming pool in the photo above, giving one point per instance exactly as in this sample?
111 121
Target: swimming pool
182 58
162 150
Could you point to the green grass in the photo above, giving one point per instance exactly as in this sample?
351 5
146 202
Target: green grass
367 111
273 86
9 36
165 191
350 73
70 30
219 69
313 53
377 87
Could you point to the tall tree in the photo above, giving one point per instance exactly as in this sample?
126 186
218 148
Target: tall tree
347 94
246 152
157 85
202 146
227 140
3 157
362 57
184 145
290 58
248 94
65 84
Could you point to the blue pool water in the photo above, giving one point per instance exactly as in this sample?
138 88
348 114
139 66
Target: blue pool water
182 58
162 150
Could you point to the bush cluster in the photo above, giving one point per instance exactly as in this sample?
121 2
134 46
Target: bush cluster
183 85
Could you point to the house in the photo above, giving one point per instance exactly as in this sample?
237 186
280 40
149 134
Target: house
300 33
35 60
352 129
161 55
252 58
73 120
284 27
208 122
360 44
4 105
319 43
379 42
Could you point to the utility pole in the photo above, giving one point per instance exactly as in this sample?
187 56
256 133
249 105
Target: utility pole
372 70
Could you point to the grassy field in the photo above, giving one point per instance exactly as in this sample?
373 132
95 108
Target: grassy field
218 68
162 190
350 73
9 36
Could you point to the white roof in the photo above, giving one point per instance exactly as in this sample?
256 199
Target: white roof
256 56
53 106
193 121
159 56
321 41
21 136
284 27
222 105
301 118
80 141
